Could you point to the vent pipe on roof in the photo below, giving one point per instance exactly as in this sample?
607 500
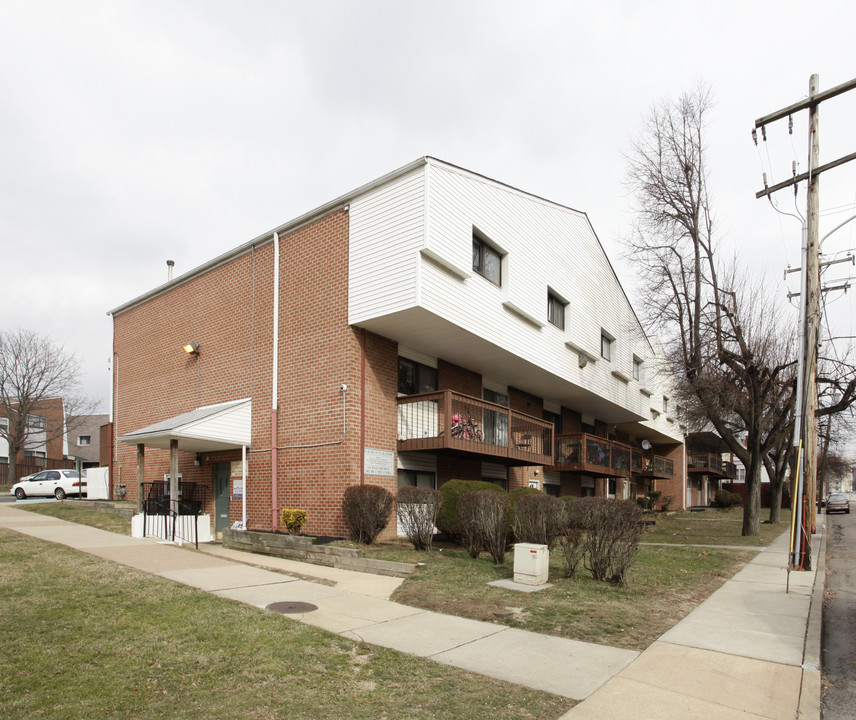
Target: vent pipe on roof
170 264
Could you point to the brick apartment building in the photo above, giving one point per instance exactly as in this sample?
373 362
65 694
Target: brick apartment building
432 324
44 446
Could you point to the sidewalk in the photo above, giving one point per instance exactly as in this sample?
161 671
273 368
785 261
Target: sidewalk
740 653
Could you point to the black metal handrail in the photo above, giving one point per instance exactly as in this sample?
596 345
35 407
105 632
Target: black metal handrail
157 504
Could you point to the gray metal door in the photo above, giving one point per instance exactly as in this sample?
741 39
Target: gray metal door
221 501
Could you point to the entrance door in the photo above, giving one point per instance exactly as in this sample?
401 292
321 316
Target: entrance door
222 472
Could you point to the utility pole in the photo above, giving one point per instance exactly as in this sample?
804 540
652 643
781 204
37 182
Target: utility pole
805 498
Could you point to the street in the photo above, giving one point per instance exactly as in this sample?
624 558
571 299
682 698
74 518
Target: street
839 620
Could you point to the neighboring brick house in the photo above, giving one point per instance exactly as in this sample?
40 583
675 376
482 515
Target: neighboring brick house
430 325
45 443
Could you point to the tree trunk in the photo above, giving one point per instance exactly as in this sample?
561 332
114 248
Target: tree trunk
752 508
775 501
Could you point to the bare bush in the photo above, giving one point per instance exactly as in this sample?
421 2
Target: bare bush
367 509
572 541
612 530
483 516
418 508
538 518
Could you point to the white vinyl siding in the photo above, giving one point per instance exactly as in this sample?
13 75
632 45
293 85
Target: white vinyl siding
386 234
411 280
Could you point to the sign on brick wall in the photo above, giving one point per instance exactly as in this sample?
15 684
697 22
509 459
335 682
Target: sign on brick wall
380 463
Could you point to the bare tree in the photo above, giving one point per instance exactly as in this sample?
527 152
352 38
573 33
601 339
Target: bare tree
33 370
733 368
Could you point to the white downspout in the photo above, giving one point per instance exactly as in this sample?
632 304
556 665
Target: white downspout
274 388
244 485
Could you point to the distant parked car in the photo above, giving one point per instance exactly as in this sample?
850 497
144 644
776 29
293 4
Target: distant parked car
837 502
47 483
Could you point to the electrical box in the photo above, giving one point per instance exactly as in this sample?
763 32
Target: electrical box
531 564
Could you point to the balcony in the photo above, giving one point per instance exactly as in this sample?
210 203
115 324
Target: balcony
651 466
447 420
592 455
707 464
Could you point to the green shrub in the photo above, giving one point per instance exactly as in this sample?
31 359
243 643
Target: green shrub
667 501
447 520
292 519
367 509
725 499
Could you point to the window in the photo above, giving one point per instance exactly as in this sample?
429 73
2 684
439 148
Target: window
665 404
555 311
417 478
637 369
414 377
83 439
36 422
554 418
552 490
487 262
605 346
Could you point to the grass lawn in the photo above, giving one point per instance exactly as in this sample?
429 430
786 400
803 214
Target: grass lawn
68 510
664 583
87 638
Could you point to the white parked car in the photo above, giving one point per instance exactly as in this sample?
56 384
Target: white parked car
47 483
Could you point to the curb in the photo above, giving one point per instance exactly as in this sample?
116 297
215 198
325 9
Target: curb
810 688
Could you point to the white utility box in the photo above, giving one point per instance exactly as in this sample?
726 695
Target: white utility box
531 564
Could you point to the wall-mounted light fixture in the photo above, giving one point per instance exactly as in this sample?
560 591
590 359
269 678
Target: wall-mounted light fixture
192 348
583 361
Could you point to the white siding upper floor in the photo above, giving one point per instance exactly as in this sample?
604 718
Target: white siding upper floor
412 280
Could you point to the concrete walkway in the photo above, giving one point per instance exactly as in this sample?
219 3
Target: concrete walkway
744 652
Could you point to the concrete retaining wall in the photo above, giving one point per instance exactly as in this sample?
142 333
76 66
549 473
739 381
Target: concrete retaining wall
299 547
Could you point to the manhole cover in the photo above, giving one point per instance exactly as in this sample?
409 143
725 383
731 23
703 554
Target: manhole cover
288 608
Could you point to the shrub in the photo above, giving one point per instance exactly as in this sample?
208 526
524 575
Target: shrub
725 499
572 539
537 518
645 503
447 520
667 501
612 529
655 496
483 518
293 520
418 508
367 509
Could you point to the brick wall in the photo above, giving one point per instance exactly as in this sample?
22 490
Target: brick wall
228 311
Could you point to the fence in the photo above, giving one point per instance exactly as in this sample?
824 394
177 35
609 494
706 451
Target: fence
31 466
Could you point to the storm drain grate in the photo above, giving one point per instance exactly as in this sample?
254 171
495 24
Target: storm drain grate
289 608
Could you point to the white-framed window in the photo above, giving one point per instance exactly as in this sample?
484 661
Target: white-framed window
606 346
84 439
36 422
665 404
556 310
637 369
487 261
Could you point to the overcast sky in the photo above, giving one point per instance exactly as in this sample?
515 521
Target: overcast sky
133 132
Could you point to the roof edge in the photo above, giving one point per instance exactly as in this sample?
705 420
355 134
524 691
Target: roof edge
267 237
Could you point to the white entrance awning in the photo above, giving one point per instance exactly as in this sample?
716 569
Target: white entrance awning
225 426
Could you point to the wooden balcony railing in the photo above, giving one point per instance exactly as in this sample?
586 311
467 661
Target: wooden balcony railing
711 465
653 466
591 454
447 420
